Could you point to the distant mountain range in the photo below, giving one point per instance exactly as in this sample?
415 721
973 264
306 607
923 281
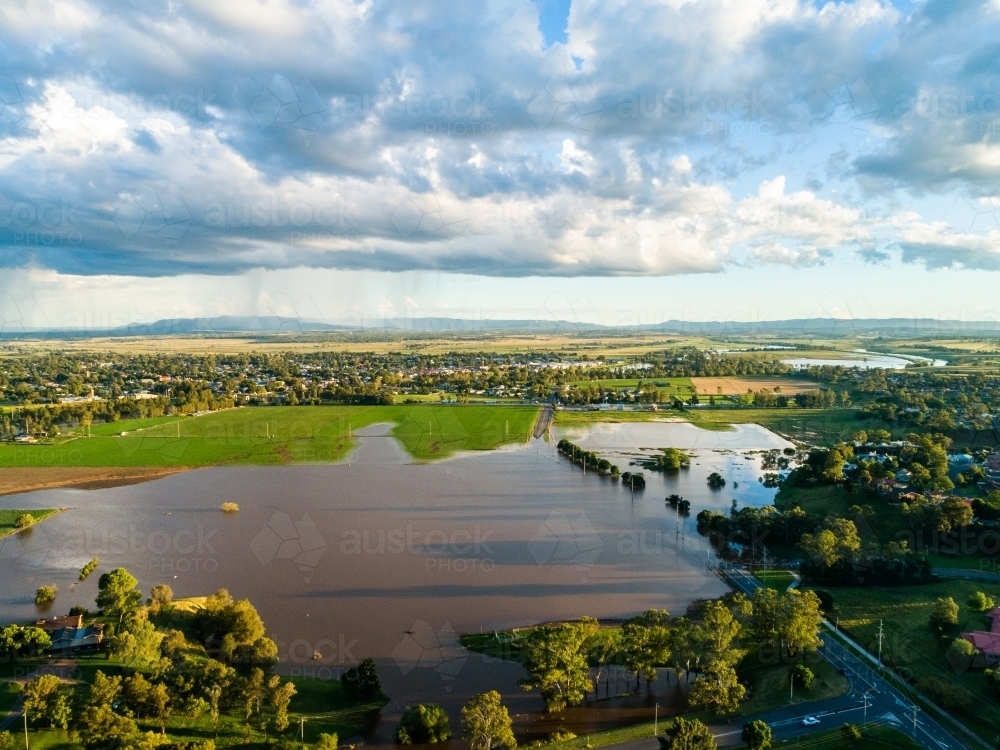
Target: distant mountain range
272 324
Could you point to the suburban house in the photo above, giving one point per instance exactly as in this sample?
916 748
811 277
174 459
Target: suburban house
992 468
69 634
987 643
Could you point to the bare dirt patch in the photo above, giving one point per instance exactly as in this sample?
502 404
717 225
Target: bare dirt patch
29 479
736 386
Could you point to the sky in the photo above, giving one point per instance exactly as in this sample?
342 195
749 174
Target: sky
608 162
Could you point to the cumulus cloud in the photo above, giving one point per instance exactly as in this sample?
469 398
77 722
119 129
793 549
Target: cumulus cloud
660 139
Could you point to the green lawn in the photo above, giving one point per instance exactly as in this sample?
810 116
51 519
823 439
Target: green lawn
680 386
769 684
823 500
7 518
779 580
279 435
912 647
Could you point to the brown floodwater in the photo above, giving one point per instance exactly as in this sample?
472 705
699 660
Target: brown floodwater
379 557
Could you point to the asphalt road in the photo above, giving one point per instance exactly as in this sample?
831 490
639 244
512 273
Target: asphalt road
886 705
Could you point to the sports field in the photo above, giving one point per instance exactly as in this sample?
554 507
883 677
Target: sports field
279 435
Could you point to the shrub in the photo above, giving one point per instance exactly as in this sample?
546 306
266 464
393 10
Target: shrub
46 595
422 724
23 521
76 609
327 742
944 614
561 735
230 507
89 568
945 694
980 602
803 675
850 733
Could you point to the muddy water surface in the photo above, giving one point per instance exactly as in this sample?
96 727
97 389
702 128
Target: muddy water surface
380 557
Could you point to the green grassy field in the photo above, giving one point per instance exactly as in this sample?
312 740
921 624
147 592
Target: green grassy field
913 648
682 387
279 435
779 580
769 685
822 500
7 518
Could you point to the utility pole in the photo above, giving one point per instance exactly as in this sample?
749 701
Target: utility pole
791 687
24 713
656 719
915 709
866 708
302 731
880 644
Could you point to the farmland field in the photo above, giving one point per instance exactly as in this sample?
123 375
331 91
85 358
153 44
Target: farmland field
278 435
735 386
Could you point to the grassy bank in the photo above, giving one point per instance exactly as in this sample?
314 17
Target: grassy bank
278 435
8 517
779 580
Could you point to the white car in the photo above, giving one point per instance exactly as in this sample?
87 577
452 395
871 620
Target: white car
810 721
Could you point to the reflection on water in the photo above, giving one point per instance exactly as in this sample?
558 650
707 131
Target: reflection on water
377 557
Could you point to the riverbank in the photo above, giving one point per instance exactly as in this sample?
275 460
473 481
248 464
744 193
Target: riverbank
33 478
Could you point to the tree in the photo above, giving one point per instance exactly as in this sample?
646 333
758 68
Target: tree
214 693
362 682
327 742
160 598
102 729
486 723
38 696
23 521
46 595
803 675
555 659
104 690
135 695
118 593
944 614
137 641
801 622
980 602
159 703
20 641
718 689
836 539
281 696
645 640
681 734
718 631
6 741
422 724
757 735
